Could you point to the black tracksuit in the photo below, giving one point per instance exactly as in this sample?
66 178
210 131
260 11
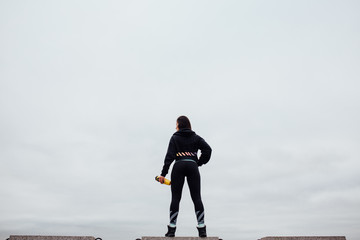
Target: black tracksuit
183 148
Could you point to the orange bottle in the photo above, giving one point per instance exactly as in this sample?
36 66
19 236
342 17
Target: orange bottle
166 181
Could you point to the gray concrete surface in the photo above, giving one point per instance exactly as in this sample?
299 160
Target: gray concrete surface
35 237
179 238
305 238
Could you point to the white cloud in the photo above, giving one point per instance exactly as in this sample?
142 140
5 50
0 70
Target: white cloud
89 95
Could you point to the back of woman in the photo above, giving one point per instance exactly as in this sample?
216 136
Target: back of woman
183 148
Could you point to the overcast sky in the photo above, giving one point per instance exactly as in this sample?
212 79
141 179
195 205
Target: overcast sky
90 92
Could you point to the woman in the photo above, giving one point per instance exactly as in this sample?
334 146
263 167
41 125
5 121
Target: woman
183 148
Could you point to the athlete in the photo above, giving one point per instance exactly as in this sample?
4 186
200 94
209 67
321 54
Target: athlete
183 148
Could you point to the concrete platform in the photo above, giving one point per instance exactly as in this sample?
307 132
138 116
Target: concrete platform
34 237
179 238
306 238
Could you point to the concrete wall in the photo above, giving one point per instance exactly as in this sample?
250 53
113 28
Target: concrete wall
179 238
30 237
306 238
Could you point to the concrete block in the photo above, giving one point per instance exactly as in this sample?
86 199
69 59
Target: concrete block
34 237
306 238
179 238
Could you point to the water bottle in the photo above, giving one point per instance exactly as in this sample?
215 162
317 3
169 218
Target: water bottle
166 181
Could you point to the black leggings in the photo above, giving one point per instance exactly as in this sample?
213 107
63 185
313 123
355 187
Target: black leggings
188 169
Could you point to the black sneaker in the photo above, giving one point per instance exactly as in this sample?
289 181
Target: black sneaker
171 232
202 231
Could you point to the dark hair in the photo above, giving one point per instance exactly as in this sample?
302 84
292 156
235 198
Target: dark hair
183 122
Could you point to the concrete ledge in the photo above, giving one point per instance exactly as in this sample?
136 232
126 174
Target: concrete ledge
179 238
34 237
306 238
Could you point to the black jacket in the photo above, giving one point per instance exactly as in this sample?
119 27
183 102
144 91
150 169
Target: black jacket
184 144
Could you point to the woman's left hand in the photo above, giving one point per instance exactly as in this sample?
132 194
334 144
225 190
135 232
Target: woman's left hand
161 179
